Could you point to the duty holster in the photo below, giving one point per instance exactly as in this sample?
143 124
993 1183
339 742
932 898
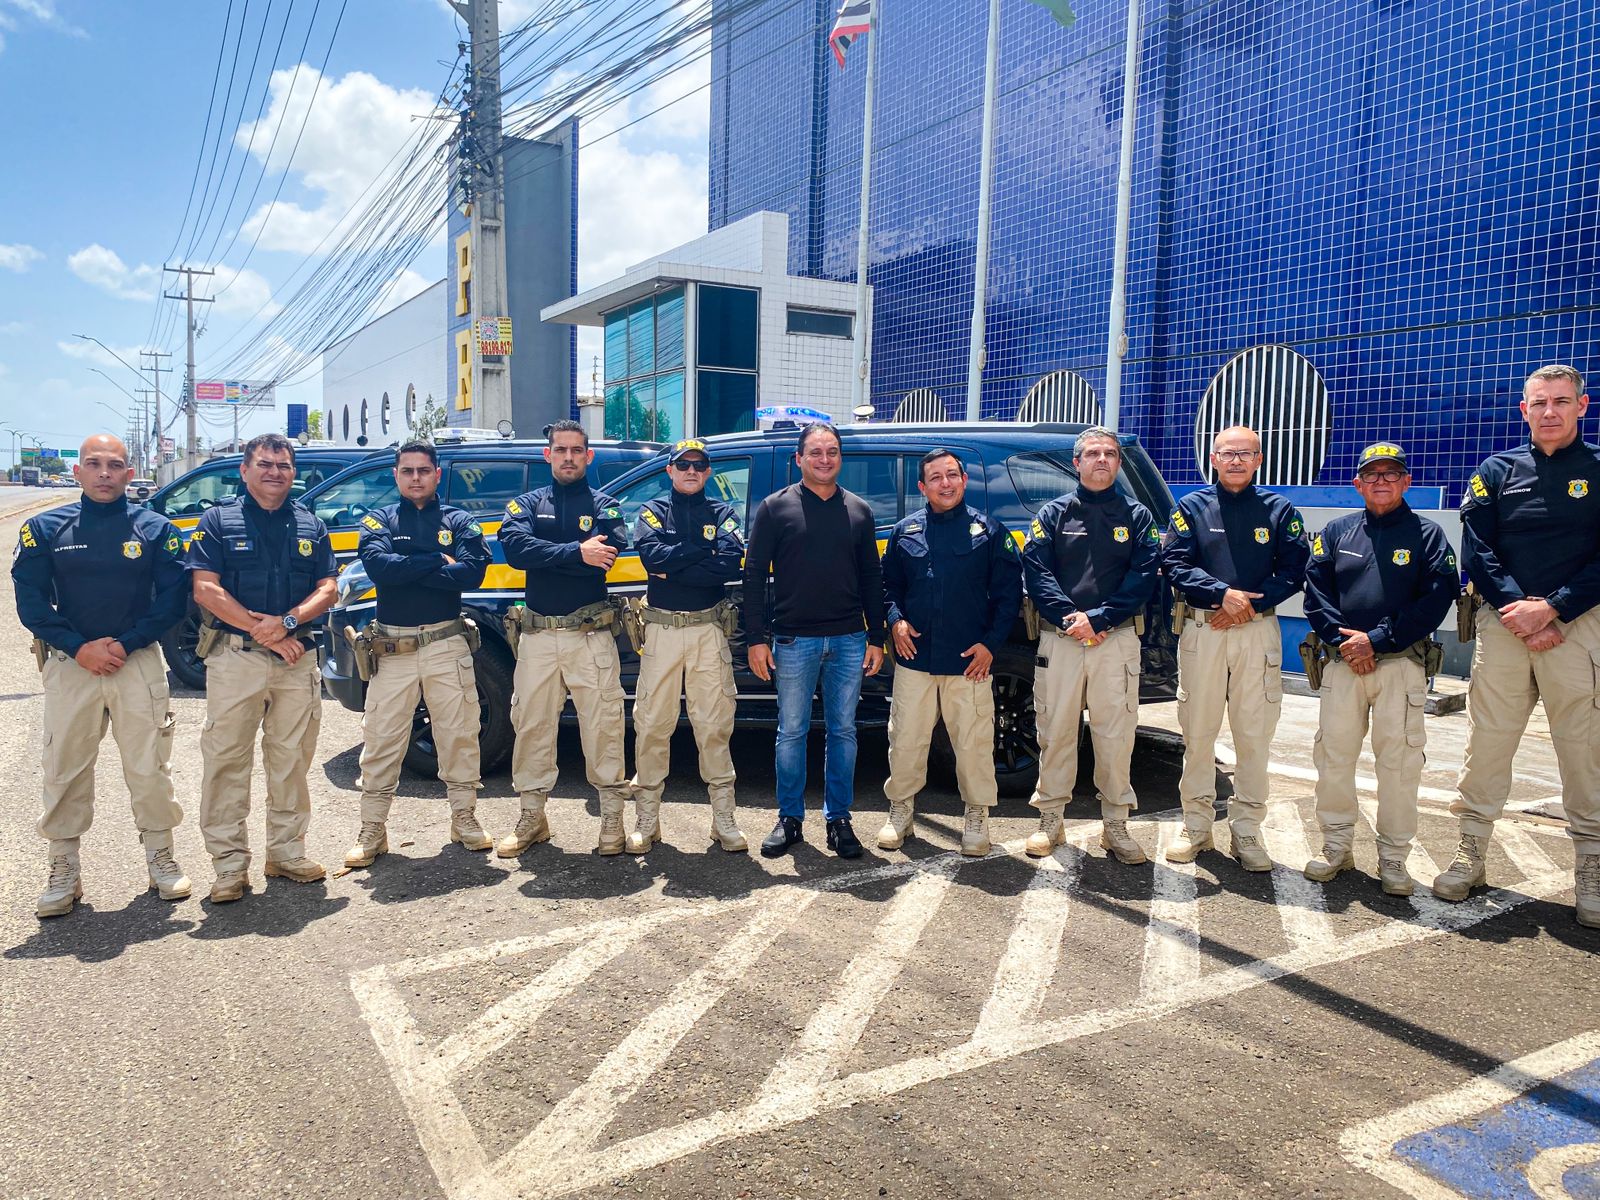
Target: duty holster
211 635
632 617
1030 619
1180 613
366 662
1314 653
41 653
1467 605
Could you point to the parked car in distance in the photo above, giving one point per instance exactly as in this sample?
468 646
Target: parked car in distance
139 490
1013 471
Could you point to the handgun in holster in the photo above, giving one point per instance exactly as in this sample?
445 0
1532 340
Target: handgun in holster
366 661
1030 619
1467 605
1433 660
633 622
41 652
728 618
1180 613
512 623
473 634
211 635
1314 654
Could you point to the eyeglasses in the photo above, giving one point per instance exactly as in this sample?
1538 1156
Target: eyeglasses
692 464
1382 476
1235 456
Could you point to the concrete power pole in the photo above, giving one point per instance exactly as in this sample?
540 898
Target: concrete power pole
484 173
191 459
155 368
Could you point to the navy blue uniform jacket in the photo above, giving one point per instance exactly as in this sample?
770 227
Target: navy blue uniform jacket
1252 540
694 541
1091 552
540 534
1392 577
404 548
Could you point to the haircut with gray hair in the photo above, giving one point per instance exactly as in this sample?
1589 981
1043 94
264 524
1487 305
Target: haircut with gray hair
1558 371
1089 434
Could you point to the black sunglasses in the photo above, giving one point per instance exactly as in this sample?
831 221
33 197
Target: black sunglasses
692 464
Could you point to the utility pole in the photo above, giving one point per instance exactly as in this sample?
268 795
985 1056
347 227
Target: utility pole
151 460
155 368
190 458
483 181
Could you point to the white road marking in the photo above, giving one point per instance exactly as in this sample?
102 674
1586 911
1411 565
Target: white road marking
1527 855
1364 783
1419 863
1549 1168
1029 962
1302 907
1370 1145
1172 937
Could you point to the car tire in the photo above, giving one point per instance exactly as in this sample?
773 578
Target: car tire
1016 738
179 643
493 668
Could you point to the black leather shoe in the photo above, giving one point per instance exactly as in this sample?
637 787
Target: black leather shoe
784 834
842 839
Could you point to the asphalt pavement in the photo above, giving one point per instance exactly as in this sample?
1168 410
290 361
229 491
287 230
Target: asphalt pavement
695 1023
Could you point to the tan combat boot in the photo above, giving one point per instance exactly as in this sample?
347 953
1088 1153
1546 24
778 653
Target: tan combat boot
723 827
1466 870
1336 857
1190 844
230 886
1393 876
464 828
372 841
974 832
1586 881
897 825
531 827
1051 833
646 826
166 877
1252 855
301 870
64 885
1115 838
612 838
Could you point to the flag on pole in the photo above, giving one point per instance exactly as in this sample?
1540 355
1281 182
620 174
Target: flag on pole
854 20
1061 10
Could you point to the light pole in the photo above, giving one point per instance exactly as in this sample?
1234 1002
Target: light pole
138 447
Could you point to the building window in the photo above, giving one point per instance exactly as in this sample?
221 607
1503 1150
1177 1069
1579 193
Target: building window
1061 396
727 327
644 369
921 405
821 322
725 402
1279 394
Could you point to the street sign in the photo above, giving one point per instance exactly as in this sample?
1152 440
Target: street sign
68 455
30 452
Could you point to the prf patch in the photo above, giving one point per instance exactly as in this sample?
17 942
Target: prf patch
1178 522
446 537
585 523
173 543
1578 489
197 536
1120 533
372 522
651 519
1036 531
1263 535
1400 557
514 509
1316 546
304 547
709 532
132 549
27 537
1477 488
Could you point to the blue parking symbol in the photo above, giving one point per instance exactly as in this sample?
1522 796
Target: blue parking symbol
1544 1143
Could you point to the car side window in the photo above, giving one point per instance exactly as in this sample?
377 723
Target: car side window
200 492
730 483
311 474
873 477
1039 478
483 488
344 504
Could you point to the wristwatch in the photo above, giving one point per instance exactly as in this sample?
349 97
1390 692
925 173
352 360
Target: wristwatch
290 622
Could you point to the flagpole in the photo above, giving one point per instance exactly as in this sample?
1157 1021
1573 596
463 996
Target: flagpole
977 351
1117 335
861 387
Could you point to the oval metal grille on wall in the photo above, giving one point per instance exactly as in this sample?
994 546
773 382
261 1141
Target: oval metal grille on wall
1279 394
921 405
1062 396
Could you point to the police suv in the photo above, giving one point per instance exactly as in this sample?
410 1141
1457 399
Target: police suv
1013 470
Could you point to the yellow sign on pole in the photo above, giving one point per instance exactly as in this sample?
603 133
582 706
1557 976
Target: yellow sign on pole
494 335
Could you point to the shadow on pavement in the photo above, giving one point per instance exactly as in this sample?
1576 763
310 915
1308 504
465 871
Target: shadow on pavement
93 935
281 908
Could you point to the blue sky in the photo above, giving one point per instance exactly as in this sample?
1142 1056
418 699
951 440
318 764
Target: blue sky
107 100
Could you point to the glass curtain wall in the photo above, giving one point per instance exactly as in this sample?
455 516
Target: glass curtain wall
644 369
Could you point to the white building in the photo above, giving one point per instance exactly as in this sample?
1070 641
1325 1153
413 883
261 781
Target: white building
377 380
699 337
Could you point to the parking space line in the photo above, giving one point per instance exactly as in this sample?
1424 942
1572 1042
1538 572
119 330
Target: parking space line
1172 937
1302 908
1521 849
1033 951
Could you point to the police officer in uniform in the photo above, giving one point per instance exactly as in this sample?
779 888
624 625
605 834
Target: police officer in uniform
1090 563
263 568
1379 583
1233 552
422 555
952 585
97 582
691 548
566 536
1531 547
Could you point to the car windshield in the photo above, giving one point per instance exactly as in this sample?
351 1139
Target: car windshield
346 502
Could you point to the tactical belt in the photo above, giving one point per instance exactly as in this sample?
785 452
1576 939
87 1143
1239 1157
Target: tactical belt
1128 624
589 618
239 641
1203 616
383 642
680 620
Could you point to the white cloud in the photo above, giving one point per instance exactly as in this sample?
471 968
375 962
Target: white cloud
105 269
93 352
355 127
239 292
42 11
407 283
14 328
18 256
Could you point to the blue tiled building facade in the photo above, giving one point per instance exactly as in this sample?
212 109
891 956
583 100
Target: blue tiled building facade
1404 192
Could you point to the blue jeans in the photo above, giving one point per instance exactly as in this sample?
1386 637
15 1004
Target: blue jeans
798 664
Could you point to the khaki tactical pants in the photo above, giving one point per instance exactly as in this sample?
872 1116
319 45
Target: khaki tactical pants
967 706
694 662
1104 678
77 708
1237 671
440 674
246 691
1506 680
1393 698
550 664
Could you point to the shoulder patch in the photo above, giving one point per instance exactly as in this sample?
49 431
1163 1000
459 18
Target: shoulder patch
730 525
650 519
1178 522
173 543
197 535
1316 547
514 509
25 536
1477 489
474 529
1296 527
1155 534
1036 530
612 513
372 522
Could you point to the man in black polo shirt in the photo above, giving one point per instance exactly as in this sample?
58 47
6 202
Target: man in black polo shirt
818 545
